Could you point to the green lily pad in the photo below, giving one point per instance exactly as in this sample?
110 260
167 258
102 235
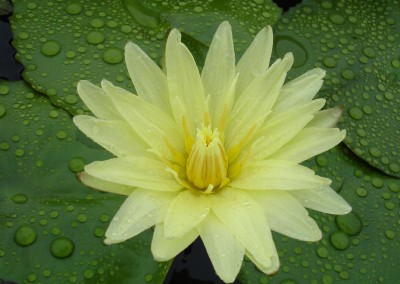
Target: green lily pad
357 43
360 247
62 42
52 227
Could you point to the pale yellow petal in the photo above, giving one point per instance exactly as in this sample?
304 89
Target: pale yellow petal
326 118
255 60
287 216
104 185
250 110
219 71
273 136
97 100
140 211
115 136
164 249
149 80
323 199
245 218
188 210
300 90
225 252
151 123
184 82
271 269
308 143
135 171
277 174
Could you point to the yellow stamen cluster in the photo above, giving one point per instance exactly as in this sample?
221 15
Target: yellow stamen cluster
207 163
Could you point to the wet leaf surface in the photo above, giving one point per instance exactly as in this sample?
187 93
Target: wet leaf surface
52 227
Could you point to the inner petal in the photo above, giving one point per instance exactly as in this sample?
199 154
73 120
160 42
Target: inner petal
207 163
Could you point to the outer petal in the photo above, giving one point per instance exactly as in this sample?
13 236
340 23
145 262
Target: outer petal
184 82
255 60
300 90
187 210
255 104
245 218
219 70
326 118
133 171
272 269
308 143
114 135
97 100
164 249
287 216
103 185
276 174
151 123
323 199
224 250
141 210
149 80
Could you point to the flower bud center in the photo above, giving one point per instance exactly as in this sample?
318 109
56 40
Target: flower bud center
207 163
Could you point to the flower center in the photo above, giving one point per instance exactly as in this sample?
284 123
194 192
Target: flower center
207 163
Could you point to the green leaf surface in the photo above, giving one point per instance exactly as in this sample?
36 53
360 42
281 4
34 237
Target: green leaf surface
62 42
52 227
357 43
360 247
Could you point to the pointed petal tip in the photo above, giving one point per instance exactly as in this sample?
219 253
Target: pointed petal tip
174 34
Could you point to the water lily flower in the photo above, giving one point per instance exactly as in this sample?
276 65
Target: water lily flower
216 154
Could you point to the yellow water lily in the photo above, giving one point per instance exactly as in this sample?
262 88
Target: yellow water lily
215 154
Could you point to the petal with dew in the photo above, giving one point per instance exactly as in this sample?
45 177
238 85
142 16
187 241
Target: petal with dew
245 218
277 174
149 80
326 118
219 71
255 60
188 209
308 143
271 269
287 216
135 171
151 123
116 136
104 185
323 199
255 103
164 249
184 82
300 90
140 211
225 252
97 100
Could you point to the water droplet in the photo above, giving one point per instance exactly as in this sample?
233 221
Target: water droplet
76 164
3 110
339 240
4 90
25 235
113 55
95 37
19 198
62 247
355 113
97 23
51 48
349 223
74 8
